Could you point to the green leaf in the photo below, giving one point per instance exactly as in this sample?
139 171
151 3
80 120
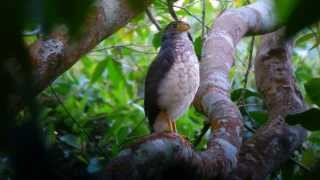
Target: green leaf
115 149
308 119
156 41
309 157
99 69
198 46
236 94
71 140
284 8
304 38
137 5
303 73
82 158
315 44
259 116
315 137
297 14
122 134
313 90
115 74
287 171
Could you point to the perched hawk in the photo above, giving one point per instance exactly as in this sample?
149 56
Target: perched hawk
172 79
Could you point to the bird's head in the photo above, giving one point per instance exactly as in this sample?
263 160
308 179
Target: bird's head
177 27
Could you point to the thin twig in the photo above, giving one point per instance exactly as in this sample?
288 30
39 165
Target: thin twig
204 130
188 12
152 19
203 20
171 10
302 166
316 35
318 48
249 128
247 105
246 76
34 32
139 51
129 47
192 15
241 102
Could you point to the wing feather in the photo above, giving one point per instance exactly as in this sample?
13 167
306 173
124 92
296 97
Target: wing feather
156 73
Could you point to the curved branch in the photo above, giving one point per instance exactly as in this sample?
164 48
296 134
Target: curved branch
164 156
217 59
273 144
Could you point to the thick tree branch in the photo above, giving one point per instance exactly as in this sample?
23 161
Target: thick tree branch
165 156
273 144
53 55
217 58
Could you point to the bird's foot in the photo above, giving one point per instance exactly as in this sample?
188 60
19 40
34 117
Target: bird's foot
175 131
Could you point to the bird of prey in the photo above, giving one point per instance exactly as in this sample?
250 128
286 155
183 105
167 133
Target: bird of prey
172 79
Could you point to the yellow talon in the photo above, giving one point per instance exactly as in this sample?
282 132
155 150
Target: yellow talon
171 128
173 124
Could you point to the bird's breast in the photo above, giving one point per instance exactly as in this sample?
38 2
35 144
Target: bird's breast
180 84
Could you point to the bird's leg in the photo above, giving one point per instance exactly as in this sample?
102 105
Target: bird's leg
163 123
171 128
173 124
176 131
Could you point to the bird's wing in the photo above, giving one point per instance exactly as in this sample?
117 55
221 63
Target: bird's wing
156 73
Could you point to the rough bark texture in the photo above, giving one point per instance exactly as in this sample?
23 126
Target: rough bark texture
217 58
275 78
167 156
57 53
273 144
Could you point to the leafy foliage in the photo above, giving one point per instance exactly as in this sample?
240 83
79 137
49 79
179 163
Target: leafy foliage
298 14
242 93
312 88
308 119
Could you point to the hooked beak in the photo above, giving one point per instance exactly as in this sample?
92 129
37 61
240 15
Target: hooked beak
183 27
